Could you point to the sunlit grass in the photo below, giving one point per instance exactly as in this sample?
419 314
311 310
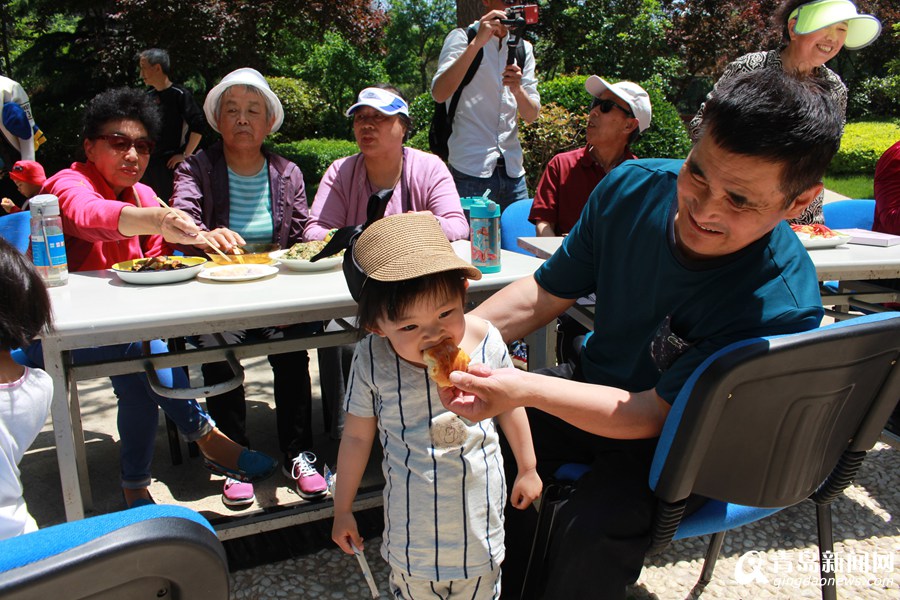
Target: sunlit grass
852 186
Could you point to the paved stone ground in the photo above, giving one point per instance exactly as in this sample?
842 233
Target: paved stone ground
863 520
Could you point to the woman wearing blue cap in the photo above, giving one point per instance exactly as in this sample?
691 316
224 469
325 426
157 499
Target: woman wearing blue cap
812 34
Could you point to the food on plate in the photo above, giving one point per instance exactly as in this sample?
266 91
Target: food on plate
158 263
306 250
254 253
443 359
815 231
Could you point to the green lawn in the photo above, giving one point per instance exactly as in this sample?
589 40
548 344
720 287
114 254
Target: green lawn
852 186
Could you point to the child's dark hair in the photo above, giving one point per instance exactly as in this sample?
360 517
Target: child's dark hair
24 303
391 299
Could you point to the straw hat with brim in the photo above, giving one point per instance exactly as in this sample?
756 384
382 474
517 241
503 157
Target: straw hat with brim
244 76
406 246
813 16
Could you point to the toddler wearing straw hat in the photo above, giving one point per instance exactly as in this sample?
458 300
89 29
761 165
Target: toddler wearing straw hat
445 491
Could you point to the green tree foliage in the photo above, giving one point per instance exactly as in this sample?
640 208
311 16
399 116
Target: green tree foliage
555 130
302 108
339 70
413 40
623 39
667 136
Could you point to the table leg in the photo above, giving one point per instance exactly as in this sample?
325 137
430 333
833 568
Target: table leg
542 347
84 479
66 454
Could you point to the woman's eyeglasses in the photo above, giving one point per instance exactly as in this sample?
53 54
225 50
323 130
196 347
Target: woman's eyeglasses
375 117
123 143
607 105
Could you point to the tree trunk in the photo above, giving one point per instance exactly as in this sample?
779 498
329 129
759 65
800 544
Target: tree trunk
468 11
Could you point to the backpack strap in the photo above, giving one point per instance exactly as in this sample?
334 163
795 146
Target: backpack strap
467 78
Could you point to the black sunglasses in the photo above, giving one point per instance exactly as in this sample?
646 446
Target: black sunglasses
123 143
607 105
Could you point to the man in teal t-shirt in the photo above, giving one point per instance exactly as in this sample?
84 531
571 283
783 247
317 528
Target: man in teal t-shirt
685 257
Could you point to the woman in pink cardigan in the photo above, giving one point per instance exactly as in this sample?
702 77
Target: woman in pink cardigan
109 217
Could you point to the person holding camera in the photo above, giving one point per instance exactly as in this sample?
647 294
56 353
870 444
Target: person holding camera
484 150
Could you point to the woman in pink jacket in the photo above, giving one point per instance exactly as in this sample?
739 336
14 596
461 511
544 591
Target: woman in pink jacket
109 217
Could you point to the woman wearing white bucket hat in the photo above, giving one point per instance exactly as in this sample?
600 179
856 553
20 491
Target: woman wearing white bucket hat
812 34
240 192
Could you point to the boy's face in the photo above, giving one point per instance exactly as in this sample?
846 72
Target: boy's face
427 323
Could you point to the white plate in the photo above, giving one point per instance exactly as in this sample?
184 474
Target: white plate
237 272
124 272
821 242
322 264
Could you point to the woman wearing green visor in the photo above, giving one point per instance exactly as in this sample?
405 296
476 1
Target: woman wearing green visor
812 34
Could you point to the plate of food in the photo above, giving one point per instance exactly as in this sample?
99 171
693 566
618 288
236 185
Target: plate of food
159 269
819 236
237 272
296 258
249 254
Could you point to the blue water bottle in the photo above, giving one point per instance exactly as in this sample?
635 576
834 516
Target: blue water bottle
485 223
48 246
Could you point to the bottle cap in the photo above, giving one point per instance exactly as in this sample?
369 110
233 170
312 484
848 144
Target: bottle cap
44 205
485 210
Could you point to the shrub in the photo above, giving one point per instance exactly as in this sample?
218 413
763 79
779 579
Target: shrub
567 91
421 108
862 145
419 141
302 108
667 137
555 130
314 156
875 97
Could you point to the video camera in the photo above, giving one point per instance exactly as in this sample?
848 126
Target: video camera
518 16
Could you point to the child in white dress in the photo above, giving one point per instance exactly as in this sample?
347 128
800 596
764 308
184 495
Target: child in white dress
25 393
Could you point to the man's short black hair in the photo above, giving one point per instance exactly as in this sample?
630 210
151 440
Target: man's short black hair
118 104
157 56
782 118
24 303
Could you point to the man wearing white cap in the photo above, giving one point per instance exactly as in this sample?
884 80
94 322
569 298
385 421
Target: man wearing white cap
812 34
619 114
485 152
239 192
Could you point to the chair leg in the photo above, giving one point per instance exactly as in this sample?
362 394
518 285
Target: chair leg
174 442
709 563
826 551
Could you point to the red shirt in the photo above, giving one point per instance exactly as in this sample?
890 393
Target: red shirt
90 217
563 190
887 191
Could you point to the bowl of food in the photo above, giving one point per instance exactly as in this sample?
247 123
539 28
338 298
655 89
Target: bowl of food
249 254
296 258
159 269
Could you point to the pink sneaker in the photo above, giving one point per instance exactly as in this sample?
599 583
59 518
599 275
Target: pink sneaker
307 481
237 493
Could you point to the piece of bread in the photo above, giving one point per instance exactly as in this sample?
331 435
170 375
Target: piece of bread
443 359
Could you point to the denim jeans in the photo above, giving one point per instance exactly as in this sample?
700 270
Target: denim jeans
504 189
138 417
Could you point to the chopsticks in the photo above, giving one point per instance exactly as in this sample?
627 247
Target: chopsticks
199 233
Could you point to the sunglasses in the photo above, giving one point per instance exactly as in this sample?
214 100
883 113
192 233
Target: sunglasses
123 143
607 105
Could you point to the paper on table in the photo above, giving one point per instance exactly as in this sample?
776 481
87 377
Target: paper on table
871 238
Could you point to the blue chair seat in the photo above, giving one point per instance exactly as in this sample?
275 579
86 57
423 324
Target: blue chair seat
16 229
514 224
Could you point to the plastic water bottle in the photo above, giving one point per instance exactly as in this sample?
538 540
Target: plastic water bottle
48 246
485 224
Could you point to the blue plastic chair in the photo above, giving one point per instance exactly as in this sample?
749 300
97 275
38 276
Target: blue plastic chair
514 224
16 229
761 425
148 552
849 214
